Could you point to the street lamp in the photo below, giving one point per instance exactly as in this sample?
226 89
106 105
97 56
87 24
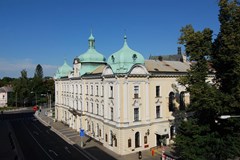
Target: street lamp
35 96
229 116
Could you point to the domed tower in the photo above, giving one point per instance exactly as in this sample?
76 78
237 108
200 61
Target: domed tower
123 60
63 71
91 59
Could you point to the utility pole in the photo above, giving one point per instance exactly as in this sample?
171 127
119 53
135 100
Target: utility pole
16 99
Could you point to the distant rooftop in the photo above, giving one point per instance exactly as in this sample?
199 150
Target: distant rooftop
169 57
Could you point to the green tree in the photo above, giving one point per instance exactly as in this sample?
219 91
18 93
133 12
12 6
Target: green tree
37 86
38 72
200 137
22 90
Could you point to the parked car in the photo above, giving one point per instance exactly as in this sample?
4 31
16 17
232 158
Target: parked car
35 108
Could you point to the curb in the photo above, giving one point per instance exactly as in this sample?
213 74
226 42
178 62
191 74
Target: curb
85 153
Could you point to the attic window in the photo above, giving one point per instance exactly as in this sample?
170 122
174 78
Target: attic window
134 57
113 58
156 69
167 65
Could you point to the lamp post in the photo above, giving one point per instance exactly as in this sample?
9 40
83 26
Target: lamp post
49 101
35 96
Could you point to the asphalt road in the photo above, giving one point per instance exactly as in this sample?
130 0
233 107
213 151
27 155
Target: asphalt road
38 142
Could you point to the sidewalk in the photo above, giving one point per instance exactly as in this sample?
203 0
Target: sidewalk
93 148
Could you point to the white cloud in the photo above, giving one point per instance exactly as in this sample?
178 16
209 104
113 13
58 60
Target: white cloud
13 68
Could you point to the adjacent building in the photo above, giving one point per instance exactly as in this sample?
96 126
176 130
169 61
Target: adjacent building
125 102
5 93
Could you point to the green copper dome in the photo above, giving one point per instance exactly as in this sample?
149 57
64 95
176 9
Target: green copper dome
91 59
91 55
63 71
123 60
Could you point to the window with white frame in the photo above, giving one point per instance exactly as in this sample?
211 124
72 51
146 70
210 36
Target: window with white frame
103 110
91 89
87 106
97 90
157 91
92 107
111 110
97 109
87 89
136 114
158 112
102 90
136 91
111 92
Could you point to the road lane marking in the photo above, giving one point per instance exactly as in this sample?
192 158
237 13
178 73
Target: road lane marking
36 133
51 151
37 127
37 142
66 148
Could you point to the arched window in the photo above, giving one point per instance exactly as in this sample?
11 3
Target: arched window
182 101
171 103
111 138
137 139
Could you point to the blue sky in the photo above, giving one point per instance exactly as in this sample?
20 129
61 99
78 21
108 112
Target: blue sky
48 31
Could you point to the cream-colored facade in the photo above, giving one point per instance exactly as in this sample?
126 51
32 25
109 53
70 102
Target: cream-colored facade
125 112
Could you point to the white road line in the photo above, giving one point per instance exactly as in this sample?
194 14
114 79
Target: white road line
53 152
38 143
36 133
66 148
86 154
36 127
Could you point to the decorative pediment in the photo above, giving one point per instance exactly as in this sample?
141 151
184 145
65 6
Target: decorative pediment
107 71
111 103
96 100
102 101
158 101
139 70
137 103
91 99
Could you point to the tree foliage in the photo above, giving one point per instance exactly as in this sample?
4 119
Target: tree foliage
29 91
200 137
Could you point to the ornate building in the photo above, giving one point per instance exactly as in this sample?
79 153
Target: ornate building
125 102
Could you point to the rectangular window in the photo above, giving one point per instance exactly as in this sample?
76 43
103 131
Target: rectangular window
87 106
129 143
136 91
106 137
96 90
157 111
136 114
91 89
87 90
145 139
97 109
115 142
111 91
112 113
92 107
157 91
102 91
103 110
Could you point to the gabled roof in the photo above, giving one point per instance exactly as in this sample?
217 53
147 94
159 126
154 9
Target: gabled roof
166 66
6 89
